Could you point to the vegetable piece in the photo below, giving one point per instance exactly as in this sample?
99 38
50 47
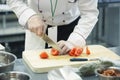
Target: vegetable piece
44 55
75 51
87 51
72 51
54 52
78 52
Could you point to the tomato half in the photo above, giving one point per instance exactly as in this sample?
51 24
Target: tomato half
54 52
75 51
78 51
72 51
44 55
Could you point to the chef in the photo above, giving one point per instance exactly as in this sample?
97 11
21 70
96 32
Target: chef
75 17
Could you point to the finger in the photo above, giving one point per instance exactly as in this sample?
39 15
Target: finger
61 41
39 32
31 29
64 50
34 30
61 45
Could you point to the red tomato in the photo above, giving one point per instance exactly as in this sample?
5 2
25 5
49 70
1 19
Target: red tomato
75 51
54 52
44 55
87 51
78 51
72 51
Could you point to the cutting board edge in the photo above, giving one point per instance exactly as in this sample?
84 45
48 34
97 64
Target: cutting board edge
42 70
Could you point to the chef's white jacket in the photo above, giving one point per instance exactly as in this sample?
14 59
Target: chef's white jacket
66 12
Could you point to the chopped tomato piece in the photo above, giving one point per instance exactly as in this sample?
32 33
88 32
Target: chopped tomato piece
87 51
54 52
78 51
75 51
72 51
44 55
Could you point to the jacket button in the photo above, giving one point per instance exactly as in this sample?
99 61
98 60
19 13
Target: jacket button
52 19
44 20
63 20
40 11
63 12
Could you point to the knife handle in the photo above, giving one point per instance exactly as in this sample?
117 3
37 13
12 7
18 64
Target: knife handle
78 59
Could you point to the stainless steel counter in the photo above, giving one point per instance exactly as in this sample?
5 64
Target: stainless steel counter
20 66
2 48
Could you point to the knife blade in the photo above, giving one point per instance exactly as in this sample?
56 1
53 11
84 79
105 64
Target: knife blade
50 42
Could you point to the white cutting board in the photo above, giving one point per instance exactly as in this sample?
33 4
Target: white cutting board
37 65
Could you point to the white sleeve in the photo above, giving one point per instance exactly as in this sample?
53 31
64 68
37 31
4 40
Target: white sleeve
22 11
89 16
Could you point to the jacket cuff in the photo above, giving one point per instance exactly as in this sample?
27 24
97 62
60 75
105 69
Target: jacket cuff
76 39
25 16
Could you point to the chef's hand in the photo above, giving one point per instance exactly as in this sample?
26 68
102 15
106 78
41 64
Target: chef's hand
36 25
65 46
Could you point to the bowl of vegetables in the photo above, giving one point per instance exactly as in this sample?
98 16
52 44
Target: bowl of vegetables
108 73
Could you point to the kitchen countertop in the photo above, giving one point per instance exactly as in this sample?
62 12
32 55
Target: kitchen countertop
20 66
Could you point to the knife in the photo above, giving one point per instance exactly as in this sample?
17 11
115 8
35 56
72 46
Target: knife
83 59
78 59
50 42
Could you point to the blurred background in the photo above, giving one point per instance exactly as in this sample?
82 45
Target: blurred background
106 32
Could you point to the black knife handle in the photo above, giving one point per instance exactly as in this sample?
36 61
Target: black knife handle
78 59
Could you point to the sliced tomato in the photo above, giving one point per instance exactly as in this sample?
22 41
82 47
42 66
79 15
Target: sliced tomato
87 51
54 52
75 51
78 51
44 55
72 51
